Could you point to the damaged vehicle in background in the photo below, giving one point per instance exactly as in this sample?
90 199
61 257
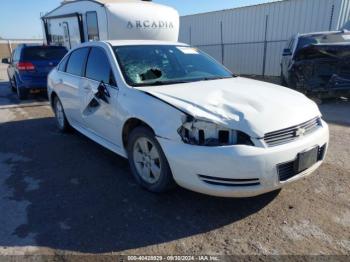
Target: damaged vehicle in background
318 64
181 118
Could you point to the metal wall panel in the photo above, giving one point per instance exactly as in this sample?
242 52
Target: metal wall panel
267 25
344 13
273 58
214 50
242 58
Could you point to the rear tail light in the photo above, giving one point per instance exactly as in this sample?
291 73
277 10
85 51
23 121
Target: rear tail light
25 66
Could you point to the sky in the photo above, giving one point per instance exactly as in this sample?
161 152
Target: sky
20 19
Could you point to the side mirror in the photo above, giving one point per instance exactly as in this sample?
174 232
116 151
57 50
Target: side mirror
102 93
5 61
287 52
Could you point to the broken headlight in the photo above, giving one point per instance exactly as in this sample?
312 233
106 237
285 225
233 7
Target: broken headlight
203 133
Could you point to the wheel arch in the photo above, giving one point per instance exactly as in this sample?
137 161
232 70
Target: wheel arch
129 126
53 95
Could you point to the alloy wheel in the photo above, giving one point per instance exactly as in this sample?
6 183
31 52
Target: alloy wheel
147 160
59 114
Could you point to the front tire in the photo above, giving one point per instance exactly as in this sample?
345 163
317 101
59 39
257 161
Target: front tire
283 80
147 161
61 119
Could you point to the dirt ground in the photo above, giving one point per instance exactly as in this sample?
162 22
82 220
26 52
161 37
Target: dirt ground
64 194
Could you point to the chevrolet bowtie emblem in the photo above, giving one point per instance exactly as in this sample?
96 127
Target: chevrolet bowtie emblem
300 132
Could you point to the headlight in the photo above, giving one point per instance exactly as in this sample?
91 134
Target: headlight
203 133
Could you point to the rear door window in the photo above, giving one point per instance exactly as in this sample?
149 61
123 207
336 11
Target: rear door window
98 67
76 61
63 64
42 53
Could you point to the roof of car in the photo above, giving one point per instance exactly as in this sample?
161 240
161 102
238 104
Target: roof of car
40 45
141 42
319 33
103 2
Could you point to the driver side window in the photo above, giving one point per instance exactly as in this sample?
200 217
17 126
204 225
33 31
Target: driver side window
98 67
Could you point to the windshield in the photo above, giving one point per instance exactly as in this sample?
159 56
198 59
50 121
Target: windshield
324 39
159 65
41 53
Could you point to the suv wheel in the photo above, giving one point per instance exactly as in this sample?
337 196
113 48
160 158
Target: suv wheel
61 119
148 162
21 92
13 88
283 80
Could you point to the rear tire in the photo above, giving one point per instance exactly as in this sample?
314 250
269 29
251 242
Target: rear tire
13 88
61 119
147 161
21 92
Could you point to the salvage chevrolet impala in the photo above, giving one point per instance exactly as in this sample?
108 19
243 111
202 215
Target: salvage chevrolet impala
182 118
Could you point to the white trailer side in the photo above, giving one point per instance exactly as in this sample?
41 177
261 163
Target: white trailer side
79 21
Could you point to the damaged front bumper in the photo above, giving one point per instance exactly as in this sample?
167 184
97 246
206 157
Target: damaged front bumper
238 170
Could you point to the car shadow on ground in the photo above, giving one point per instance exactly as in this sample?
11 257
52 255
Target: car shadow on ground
82 197
8 97
336 111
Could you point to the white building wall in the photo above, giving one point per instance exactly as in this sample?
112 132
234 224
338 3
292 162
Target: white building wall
241 37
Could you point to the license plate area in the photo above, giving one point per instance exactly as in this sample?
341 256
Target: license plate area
35 91
306 159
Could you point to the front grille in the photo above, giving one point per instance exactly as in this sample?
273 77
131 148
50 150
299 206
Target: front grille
287 171
229 181
290 134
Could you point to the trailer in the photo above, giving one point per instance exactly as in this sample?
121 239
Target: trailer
78 21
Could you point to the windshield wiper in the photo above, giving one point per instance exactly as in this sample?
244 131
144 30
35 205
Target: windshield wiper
162 83
213 78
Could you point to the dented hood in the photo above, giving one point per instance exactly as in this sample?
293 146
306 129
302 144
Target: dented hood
253 107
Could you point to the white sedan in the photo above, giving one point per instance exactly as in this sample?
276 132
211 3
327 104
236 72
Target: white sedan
182 118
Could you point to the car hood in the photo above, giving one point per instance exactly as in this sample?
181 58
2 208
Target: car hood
251 106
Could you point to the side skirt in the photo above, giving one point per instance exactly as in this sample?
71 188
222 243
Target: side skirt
99 140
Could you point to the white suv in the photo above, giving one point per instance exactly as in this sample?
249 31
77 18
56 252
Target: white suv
181 117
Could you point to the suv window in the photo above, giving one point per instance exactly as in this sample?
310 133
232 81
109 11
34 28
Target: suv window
43 53
98 67
16 54
291 45
76 61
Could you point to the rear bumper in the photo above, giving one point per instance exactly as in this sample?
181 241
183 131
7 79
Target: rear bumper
33 82
237 171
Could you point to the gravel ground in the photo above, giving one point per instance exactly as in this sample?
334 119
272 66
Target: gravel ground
64 194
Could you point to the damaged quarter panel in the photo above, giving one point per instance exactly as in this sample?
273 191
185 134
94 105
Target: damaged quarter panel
164 119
